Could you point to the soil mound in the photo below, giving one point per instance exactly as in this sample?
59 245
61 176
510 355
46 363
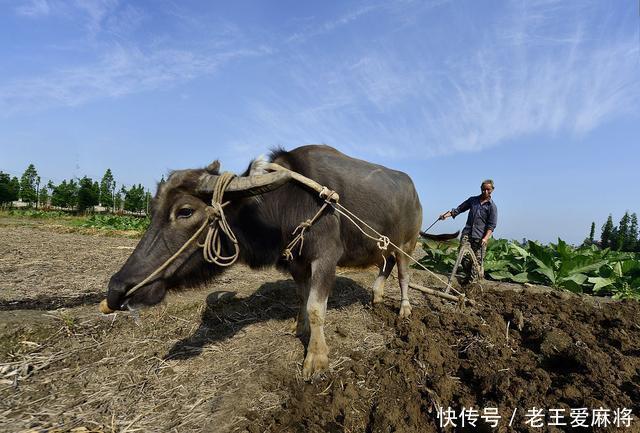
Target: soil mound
513 352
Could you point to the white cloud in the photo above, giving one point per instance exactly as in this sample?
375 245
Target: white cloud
318 29
536 72
96 12
529 84
122 70
34 8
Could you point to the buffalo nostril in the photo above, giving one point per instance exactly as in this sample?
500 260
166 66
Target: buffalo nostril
116 294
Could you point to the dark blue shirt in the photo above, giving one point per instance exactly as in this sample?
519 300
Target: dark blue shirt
482 217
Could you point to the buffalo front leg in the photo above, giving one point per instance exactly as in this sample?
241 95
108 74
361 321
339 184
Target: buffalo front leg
378 285
301 327
301 273
322 280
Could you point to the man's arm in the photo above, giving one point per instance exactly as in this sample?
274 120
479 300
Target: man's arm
464 206
486 237
491 224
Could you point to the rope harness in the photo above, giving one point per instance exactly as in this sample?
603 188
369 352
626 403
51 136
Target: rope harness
381 240
325 194
216 222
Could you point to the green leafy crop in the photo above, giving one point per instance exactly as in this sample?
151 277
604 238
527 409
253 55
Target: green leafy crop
116 222
586 269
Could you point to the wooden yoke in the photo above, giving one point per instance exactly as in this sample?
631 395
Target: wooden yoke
322 190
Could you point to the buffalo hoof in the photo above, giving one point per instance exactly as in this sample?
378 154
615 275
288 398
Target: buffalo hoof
377 299
314 363
405 310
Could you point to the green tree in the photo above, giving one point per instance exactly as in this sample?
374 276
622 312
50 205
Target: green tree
605 236
65 194
96 192
43 195
107 184
632 240
623 233
14 188
6 189
88 192
147 201
28 183
117 201
613 239
56 193
37 191
119 198
72 193
589 240
134 199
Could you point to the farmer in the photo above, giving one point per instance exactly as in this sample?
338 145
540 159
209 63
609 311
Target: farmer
481 222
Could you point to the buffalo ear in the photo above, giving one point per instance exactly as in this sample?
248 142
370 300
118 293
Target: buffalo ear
214 167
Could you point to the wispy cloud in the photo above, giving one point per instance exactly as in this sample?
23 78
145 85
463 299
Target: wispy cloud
317 29
33 8
538 78
542 69
115 63
96 17
409 87
122 70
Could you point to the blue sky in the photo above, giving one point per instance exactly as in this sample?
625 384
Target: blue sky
542 96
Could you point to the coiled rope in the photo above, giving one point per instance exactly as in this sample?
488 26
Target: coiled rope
212 246
217 223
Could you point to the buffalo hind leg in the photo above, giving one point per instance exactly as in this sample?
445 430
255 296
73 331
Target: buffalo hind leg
378 285
403 277
322 280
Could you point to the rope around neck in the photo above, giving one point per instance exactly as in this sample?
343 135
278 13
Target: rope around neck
211 248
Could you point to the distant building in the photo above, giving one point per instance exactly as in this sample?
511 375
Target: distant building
19 203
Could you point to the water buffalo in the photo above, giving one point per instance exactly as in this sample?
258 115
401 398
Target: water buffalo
263 219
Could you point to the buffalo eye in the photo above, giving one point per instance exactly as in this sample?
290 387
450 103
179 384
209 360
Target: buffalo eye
184 212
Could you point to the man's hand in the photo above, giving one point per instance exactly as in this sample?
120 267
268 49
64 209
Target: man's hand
445 215
487 235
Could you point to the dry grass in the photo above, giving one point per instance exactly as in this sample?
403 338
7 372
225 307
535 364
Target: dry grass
171 367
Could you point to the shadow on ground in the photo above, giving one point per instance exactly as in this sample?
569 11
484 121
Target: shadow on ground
51 302
225 315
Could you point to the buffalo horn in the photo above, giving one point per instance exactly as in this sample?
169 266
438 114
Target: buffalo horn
247 185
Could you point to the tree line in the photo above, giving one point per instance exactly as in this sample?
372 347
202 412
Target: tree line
78 194
623 237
